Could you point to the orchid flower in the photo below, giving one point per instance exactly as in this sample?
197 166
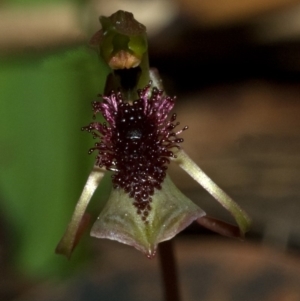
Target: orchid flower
136 144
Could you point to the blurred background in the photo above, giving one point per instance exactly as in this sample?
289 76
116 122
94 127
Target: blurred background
235 67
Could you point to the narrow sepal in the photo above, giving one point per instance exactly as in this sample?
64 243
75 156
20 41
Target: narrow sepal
78 221
188 165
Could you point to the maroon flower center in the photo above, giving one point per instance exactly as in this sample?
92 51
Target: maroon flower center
137 145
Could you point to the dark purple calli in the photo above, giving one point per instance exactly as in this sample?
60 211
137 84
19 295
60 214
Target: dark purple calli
137 144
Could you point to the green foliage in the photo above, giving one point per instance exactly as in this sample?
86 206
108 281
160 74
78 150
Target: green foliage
44 163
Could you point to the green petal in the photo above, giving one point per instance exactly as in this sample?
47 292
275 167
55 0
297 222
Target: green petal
171 212
78 221
187 164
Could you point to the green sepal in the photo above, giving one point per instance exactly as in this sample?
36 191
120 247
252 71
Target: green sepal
79 219
121 32
188 165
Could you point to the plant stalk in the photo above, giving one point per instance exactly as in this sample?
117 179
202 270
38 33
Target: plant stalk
169 271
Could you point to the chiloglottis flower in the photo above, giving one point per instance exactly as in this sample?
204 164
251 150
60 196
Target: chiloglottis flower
137 143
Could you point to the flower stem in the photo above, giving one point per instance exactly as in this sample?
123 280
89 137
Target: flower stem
169 271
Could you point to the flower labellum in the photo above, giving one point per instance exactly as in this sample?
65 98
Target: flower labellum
170 212
145 207
136 143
